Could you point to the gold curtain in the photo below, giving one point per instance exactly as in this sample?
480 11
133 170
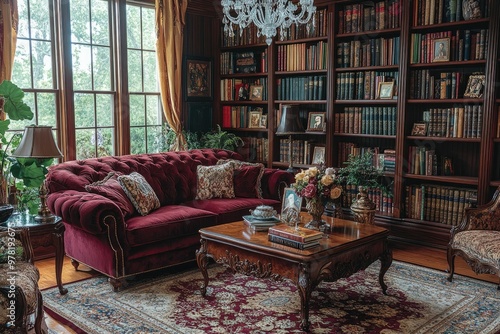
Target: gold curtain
9 20
170 21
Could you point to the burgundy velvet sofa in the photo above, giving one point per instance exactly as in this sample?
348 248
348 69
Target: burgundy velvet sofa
98 233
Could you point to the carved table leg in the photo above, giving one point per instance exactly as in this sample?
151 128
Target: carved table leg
58 240
386 260
202 261
305 288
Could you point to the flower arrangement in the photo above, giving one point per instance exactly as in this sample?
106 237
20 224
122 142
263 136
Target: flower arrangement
317 184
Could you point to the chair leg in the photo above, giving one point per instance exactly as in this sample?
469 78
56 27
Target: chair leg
39 316
451 264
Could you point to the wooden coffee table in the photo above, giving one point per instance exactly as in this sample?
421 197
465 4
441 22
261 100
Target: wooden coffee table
350 247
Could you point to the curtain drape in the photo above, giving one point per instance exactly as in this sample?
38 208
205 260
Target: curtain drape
9 20
170 21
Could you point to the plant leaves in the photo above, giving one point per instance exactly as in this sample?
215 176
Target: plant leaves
14 106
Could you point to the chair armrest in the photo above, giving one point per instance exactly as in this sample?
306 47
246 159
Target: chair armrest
274 181
84 210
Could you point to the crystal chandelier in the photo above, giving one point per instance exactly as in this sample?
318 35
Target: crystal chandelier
267 15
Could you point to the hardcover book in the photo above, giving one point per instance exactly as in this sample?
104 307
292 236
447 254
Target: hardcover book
303 235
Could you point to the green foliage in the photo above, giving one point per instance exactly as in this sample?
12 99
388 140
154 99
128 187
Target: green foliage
221 139
192 138
14 105
360 171
31 171
27 198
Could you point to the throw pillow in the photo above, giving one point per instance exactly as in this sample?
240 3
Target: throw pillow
139 192
245 180
110 188
237 164
215 181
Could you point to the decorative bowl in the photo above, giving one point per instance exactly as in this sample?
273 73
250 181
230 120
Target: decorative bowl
263 212
5 212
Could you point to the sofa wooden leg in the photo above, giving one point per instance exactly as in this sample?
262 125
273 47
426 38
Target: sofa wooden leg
451 265
117 283
75 264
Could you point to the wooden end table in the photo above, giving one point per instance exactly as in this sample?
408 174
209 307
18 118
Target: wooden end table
349 248
42 234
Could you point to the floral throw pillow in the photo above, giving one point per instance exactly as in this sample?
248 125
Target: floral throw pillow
241 172
215 181
139 192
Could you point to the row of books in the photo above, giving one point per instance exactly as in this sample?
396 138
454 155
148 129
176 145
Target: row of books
371 52
428 12
422 161
442 85
437 203
383 201
241 117
239 89
366 120
243 62
302 56
364 84
456 46
255 149
246 36
301 151
382 159
368 16
457 122
300 238
316 27
303 88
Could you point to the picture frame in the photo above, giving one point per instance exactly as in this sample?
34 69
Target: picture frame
254 119
419 129
475 86
316 121
199 117
256 92
385 90
197 78
318 157
471 9
291 206
241 92
441 49
263 121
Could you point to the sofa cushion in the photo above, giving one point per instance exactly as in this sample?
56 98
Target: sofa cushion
229 210
111 189
215 182
247 181
168 222
482 245
139 192
239 165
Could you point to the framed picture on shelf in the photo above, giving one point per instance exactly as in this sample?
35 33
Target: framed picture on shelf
419 129
197 79
241 92
318 155
471 9
290 208
385 90
475 86
256 92
263 121
254 119
441 47
316 121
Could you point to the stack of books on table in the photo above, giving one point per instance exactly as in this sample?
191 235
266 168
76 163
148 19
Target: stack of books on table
259 224
302 238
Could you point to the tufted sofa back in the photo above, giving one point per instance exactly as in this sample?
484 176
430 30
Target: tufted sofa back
172 175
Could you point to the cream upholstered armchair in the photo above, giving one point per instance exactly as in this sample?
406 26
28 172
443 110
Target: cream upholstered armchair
477 239
21 306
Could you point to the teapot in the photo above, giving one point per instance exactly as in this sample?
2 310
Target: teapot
263 212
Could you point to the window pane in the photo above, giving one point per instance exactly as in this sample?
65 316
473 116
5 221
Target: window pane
150 73
137 110
85 144
40 19
46 106
133 27
80 21
104 142
148 29
84 110
134 71
102 68
23 29
156 140
82 79
137 140
104 104
21 74
42 65
154 113
100 22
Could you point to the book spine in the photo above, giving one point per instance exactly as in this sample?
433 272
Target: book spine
286 242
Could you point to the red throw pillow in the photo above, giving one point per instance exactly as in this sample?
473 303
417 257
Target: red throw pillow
247 181
112 189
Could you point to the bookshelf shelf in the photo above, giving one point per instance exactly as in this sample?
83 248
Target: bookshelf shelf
247 130
462 63
467 180
243 75
244 102
240 48
444 101
300 102
301 40
364 135
443 139
495 183
368 68
365 102
370 33
295 73
474 23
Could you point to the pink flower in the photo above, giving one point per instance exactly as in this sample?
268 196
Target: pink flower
309 191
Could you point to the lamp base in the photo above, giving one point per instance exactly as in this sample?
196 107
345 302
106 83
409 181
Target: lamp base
45 218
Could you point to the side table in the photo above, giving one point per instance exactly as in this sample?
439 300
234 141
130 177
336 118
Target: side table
42 234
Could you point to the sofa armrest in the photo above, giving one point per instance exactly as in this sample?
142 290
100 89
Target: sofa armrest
274 181
84 210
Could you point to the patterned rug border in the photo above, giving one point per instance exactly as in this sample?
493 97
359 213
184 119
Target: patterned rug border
460 283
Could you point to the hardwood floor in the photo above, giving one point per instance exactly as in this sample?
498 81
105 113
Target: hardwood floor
419 255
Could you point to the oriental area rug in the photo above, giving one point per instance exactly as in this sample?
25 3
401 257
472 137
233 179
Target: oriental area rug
419 300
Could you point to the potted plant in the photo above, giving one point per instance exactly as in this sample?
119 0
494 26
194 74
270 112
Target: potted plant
221 139
361 172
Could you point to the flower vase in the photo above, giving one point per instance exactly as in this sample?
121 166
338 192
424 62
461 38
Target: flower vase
315 208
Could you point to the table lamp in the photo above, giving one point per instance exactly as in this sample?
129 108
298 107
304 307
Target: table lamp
290 125
38 143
